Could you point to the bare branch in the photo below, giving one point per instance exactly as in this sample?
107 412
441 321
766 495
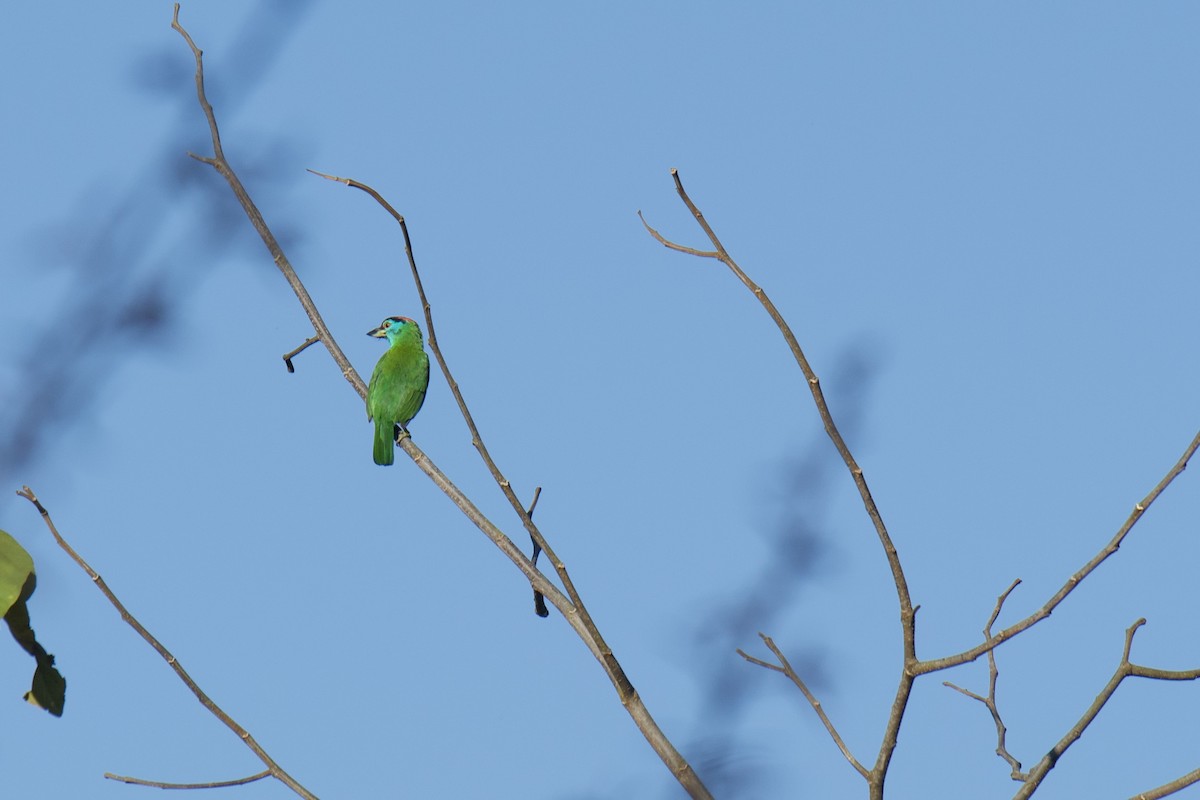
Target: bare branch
1169 788
222 166
1124 670
784 666
758 661
831 427
691 251
274 769
987 629
907 612
539 599
814 385
258 776
288 356
991 642
990 701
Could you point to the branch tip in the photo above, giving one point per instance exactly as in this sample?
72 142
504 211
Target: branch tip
328 177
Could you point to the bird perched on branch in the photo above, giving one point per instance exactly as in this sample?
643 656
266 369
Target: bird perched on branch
398 383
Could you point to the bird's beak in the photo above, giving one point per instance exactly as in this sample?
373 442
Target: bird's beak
378 333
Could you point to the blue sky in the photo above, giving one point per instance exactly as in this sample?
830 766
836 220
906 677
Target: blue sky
979 219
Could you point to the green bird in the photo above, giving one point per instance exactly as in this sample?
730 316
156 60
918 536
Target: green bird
398 383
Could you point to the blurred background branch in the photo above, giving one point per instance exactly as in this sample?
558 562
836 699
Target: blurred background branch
117 252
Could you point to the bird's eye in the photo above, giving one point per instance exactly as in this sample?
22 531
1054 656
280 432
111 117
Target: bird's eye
387 324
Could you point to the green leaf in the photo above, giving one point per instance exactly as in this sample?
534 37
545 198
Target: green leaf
17 582
49 687
16 565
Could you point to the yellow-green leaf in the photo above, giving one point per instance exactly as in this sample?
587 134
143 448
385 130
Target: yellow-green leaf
16 565
17 582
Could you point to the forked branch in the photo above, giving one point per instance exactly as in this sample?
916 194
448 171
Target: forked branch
876 775
989 702
1125 669
814 386
1139 509
785 667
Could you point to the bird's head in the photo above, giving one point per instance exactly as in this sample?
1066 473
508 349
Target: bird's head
392 327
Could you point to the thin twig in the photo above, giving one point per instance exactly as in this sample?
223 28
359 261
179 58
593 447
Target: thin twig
784 666
266 773
539 599
287 357
990 701
537 495
274 768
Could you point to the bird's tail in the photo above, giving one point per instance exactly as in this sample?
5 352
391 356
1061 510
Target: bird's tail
385 445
